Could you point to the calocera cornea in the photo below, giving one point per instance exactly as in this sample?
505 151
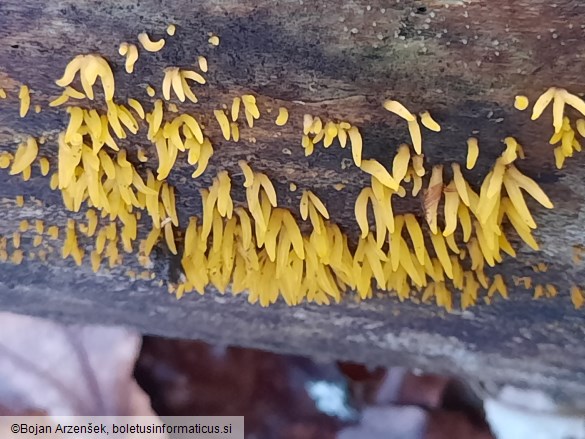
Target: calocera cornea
258 246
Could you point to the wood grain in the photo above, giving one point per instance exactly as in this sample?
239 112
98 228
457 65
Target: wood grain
463 61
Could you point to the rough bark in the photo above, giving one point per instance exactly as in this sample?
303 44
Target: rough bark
464 61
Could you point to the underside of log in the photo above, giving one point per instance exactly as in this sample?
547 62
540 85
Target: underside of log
464 61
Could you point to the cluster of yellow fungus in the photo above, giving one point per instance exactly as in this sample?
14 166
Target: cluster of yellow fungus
313 126
563 132
259 247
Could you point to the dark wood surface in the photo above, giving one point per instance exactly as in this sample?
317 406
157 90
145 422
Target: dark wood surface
464 61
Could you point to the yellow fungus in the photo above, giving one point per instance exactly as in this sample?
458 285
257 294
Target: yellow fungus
39 226
442 254
202 61
307 123
577 297
530 186
96 261
16 239
376 169
150 91
542 102
213 40
137 107
495 183
472 152
223 122
282 116
511 152
235 130
17 257
460 183
361 211
59 100
248 173
574 101
123 49
416 236
400 163
356 145
5 159
72 93
235 111
2 94
169 238
521 102
171 28
193 76
90 67
315 201
24 96
53 232
451 208
19 200
399 109
131 57
148 44
23 226
415 135
262 250
44 164
25 156
316 126
428 122
499 286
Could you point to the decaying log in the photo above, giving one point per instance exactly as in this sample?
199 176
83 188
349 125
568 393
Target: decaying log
464 61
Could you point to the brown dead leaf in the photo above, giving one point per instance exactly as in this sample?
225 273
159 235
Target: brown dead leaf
432 197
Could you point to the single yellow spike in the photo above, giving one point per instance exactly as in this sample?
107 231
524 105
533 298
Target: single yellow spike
169 238
356 145
429 122
202 61
577 297
517 199
282 116
558 110
318 205
304 206
511 151
399 109
223 122
460 183
472 152
441 250
542 102
415 135
495 183
375 168
148 44
451 208
416 236
361 210
400 163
